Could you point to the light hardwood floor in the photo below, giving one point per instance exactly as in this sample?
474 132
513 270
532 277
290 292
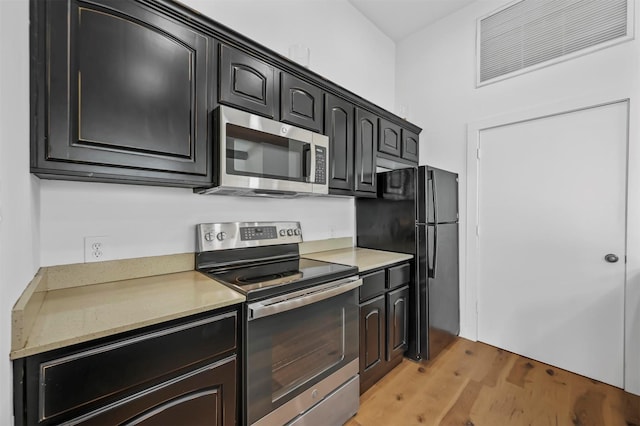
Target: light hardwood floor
474 384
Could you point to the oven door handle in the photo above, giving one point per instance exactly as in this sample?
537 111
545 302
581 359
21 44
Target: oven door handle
277 305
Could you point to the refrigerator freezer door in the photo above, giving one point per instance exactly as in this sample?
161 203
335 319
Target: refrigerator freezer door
444 305
441 196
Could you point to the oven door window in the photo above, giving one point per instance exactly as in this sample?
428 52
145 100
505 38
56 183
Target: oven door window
291 351
258 154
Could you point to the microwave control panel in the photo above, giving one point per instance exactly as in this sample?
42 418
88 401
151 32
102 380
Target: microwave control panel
321 165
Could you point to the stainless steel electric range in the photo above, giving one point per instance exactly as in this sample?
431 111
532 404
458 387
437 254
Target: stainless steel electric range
300 335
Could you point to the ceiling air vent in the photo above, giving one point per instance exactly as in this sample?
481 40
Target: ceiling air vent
530 34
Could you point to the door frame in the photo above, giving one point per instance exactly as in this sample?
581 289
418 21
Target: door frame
469 293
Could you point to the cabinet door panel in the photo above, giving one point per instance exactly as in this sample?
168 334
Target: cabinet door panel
339 129
410 145
390 138
365 156
206 396
246 82
397 319
128 89
300 103
372 334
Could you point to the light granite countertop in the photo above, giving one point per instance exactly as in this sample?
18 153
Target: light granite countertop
69 304
51 318
364 259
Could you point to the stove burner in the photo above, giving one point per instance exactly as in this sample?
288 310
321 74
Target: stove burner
263 279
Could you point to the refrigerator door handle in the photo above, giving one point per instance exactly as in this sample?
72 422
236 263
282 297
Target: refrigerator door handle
434 197
435 251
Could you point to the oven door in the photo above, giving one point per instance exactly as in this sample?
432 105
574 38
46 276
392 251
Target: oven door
300 347
259 153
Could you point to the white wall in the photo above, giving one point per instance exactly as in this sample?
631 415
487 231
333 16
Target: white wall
435 78
147 221
18 190
150 221
346 48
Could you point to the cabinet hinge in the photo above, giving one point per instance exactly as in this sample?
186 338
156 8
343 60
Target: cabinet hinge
478 153
477 230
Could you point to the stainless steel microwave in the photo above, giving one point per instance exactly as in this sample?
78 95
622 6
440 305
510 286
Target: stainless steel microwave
258 156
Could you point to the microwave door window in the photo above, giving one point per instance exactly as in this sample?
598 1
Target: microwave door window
254 153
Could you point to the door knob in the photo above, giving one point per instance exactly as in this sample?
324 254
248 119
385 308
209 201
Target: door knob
611 258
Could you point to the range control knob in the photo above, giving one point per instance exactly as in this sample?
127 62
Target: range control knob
289 232
221 236
297 231
283 232
208 236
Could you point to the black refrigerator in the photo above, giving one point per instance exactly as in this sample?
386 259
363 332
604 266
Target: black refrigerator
416 212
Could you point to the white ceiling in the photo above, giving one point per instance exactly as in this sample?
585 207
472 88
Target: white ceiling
400 18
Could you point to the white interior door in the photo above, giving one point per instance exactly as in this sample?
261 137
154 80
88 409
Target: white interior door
552 194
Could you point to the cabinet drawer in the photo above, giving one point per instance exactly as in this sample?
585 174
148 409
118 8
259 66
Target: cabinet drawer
372 285
399 275
102 372
205 396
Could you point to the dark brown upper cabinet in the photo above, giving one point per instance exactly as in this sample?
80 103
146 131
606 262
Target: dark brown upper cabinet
124 91
120 93
246 82
338 127
410 145
300 103
389 140
365 152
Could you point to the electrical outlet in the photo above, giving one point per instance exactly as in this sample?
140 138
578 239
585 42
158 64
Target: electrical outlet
97 249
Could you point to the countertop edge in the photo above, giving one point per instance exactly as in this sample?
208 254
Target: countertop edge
24 352
25 310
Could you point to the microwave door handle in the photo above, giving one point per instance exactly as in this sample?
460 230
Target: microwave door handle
311 168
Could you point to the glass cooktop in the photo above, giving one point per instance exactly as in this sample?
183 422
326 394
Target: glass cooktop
259 281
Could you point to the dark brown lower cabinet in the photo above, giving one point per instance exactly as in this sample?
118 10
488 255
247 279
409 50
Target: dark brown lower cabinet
194 398
384 299
397 309
181 372
372 341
